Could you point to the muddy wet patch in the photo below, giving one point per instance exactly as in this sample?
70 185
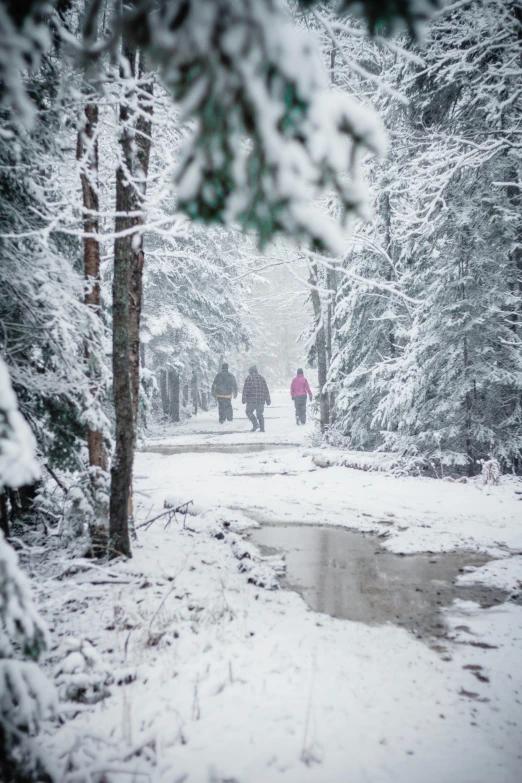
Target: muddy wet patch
212 448
265 474
346 574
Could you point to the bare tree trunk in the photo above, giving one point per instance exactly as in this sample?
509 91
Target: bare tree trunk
87 152
195 391
331 284
174 395
4 514
389 277
16 504
142 142
121 469
468 398
469 412
27 495
321 349
140 170
164 391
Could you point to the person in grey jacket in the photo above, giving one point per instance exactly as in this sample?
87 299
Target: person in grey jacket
224 389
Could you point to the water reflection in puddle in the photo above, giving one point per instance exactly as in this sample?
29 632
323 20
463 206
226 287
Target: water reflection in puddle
348 575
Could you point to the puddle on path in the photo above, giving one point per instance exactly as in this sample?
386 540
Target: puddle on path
211 448
265 474
346 574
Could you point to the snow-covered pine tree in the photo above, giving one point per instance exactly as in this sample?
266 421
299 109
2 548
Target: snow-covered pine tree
45 322
25 695
447 388
460 230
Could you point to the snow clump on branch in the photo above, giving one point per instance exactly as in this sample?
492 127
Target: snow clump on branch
25 695
269 136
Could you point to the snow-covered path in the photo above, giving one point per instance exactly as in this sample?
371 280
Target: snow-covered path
233 682
284 485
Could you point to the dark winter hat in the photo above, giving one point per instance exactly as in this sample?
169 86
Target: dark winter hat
300 371
224 366
252 369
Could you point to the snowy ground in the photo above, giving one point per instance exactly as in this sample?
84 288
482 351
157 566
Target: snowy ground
209 676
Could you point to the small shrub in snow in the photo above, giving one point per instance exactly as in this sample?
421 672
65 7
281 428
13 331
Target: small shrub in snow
26 696
491 472
82 676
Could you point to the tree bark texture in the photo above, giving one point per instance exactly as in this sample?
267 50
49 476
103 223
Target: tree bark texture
195 391
389 250
121 469
4 514
331 277
139 168
164 391
468 398
88 155
174 395
321 348
142 140
331 284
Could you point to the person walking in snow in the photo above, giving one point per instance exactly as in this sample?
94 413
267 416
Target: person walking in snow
299 388
224 389
255 395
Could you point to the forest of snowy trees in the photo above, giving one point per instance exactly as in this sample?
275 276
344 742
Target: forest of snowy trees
428 362
156 158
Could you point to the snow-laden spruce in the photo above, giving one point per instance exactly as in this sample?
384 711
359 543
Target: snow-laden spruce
440 381
269 137
25 695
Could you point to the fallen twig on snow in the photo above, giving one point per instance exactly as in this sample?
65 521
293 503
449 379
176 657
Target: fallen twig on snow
171 513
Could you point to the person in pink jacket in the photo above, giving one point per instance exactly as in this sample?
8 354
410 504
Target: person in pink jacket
298 390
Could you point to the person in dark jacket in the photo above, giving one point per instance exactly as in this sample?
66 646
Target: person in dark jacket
224 389
298 391
255 395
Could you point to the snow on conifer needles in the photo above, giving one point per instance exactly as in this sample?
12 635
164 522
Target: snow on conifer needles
269 135
26 697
